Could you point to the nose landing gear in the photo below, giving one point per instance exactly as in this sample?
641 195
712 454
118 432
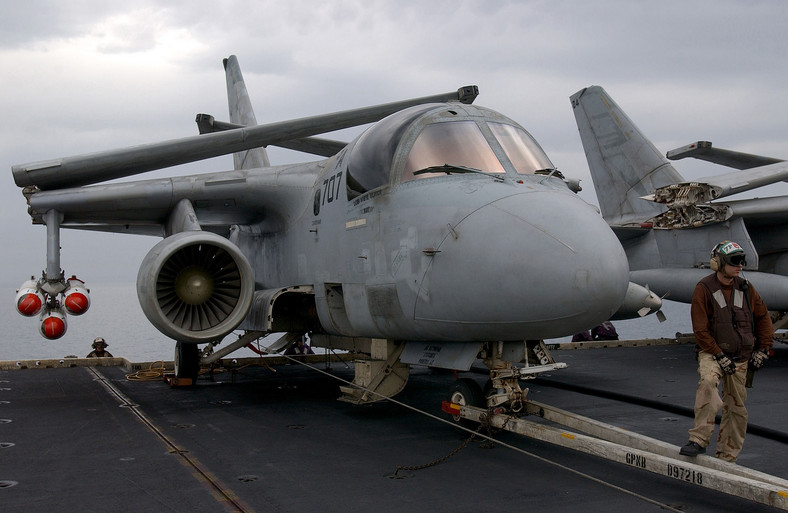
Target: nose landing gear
503 390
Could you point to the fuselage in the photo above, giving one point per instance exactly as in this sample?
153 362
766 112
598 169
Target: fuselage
429 248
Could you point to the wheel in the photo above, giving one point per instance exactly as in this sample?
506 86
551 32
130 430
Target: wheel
187 360
488 389
466 392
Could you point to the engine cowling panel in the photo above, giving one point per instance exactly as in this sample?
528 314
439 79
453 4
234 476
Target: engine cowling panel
195 286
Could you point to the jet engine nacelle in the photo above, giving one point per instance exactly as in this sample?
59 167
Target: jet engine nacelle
29 299
195 286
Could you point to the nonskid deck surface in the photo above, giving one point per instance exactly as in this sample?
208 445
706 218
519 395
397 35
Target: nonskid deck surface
90 440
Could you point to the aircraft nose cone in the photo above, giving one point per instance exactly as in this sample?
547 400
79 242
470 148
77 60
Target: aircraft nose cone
533 265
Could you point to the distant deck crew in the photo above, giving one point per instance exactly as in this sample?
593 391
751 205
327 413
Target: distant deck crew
605 331
733 329
99 349
583 336
299 349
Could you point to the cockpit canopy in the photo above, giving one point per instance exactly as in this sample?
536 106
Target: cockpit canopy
411 143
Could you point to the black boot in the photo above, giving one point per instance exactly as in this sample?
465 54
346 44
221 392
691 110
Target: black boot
692 449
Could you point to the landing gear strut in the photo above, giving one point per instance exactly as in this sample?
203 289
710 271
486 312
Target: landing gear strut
505 377
382 376
503 390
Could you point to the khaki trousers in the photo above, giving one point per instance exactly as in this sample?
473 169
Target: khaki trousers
708 402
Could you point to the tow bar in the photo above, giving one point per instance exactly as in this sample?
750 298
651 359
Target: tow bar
622 446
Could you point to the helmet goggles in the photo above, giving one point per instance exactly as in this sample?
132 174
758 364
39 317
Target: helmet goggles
732 254
735 260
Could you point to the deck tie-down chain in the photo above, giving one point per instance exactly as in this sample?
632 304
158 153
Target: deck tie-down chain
486 444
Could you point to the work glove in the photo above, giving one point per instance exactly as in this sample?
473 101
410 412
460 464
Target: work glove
758 359
726 364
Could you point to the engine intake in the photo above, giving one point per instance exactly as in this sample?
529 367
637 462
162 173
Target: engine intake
195 286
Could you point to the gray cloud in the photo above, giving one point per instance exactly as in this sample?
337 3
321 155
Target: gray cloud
88 76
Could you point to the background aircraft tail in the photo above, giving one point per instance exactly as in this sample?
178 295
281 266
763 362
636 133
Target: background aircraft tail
241 113
624 164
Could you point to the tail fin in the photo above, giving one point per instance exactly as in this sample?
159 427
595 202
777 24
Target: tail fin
624 164
241 113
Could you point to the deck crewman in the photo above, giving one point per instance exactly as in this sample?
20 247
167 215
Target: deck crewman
733 330
99 349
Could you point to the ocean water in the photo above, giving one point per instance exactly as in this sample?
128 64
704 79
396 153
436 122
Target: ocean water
115 315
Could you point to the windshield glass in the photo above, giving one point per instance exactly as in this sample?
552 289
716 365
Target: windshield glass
456 143
523 151
369 166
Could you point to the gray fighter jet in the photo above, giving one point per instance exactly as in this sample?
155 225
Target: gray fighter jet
442 233
668 225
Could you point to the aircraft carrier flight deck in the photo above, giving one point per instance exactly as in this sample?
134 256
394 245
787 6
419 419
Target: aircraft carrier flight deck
275 438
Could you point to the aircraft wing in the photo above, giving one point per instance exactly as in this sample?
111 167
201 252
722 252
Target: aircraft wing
761 211
103 166
218 200
745 180
206 124
719 186
703 150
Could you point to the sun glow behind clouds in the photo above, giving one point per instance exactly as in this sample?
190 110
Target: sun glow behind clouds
146 31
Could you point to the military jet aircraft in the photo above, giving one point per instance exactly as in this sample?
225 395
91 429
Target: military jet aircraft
441 233
668 225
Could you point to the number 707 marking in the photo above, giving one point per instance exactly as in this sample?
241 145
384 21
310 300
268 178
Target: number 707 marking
331 188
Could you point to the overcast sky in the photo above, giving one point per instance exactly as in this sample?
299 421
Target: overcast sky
85 76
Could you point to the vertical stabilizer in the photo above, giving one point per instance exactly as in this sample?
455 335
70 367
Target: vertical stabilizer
241 113
623 163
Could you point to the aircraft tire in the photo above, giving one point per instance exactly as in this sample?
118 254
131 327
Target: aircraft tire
187 360
466 392
488 388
